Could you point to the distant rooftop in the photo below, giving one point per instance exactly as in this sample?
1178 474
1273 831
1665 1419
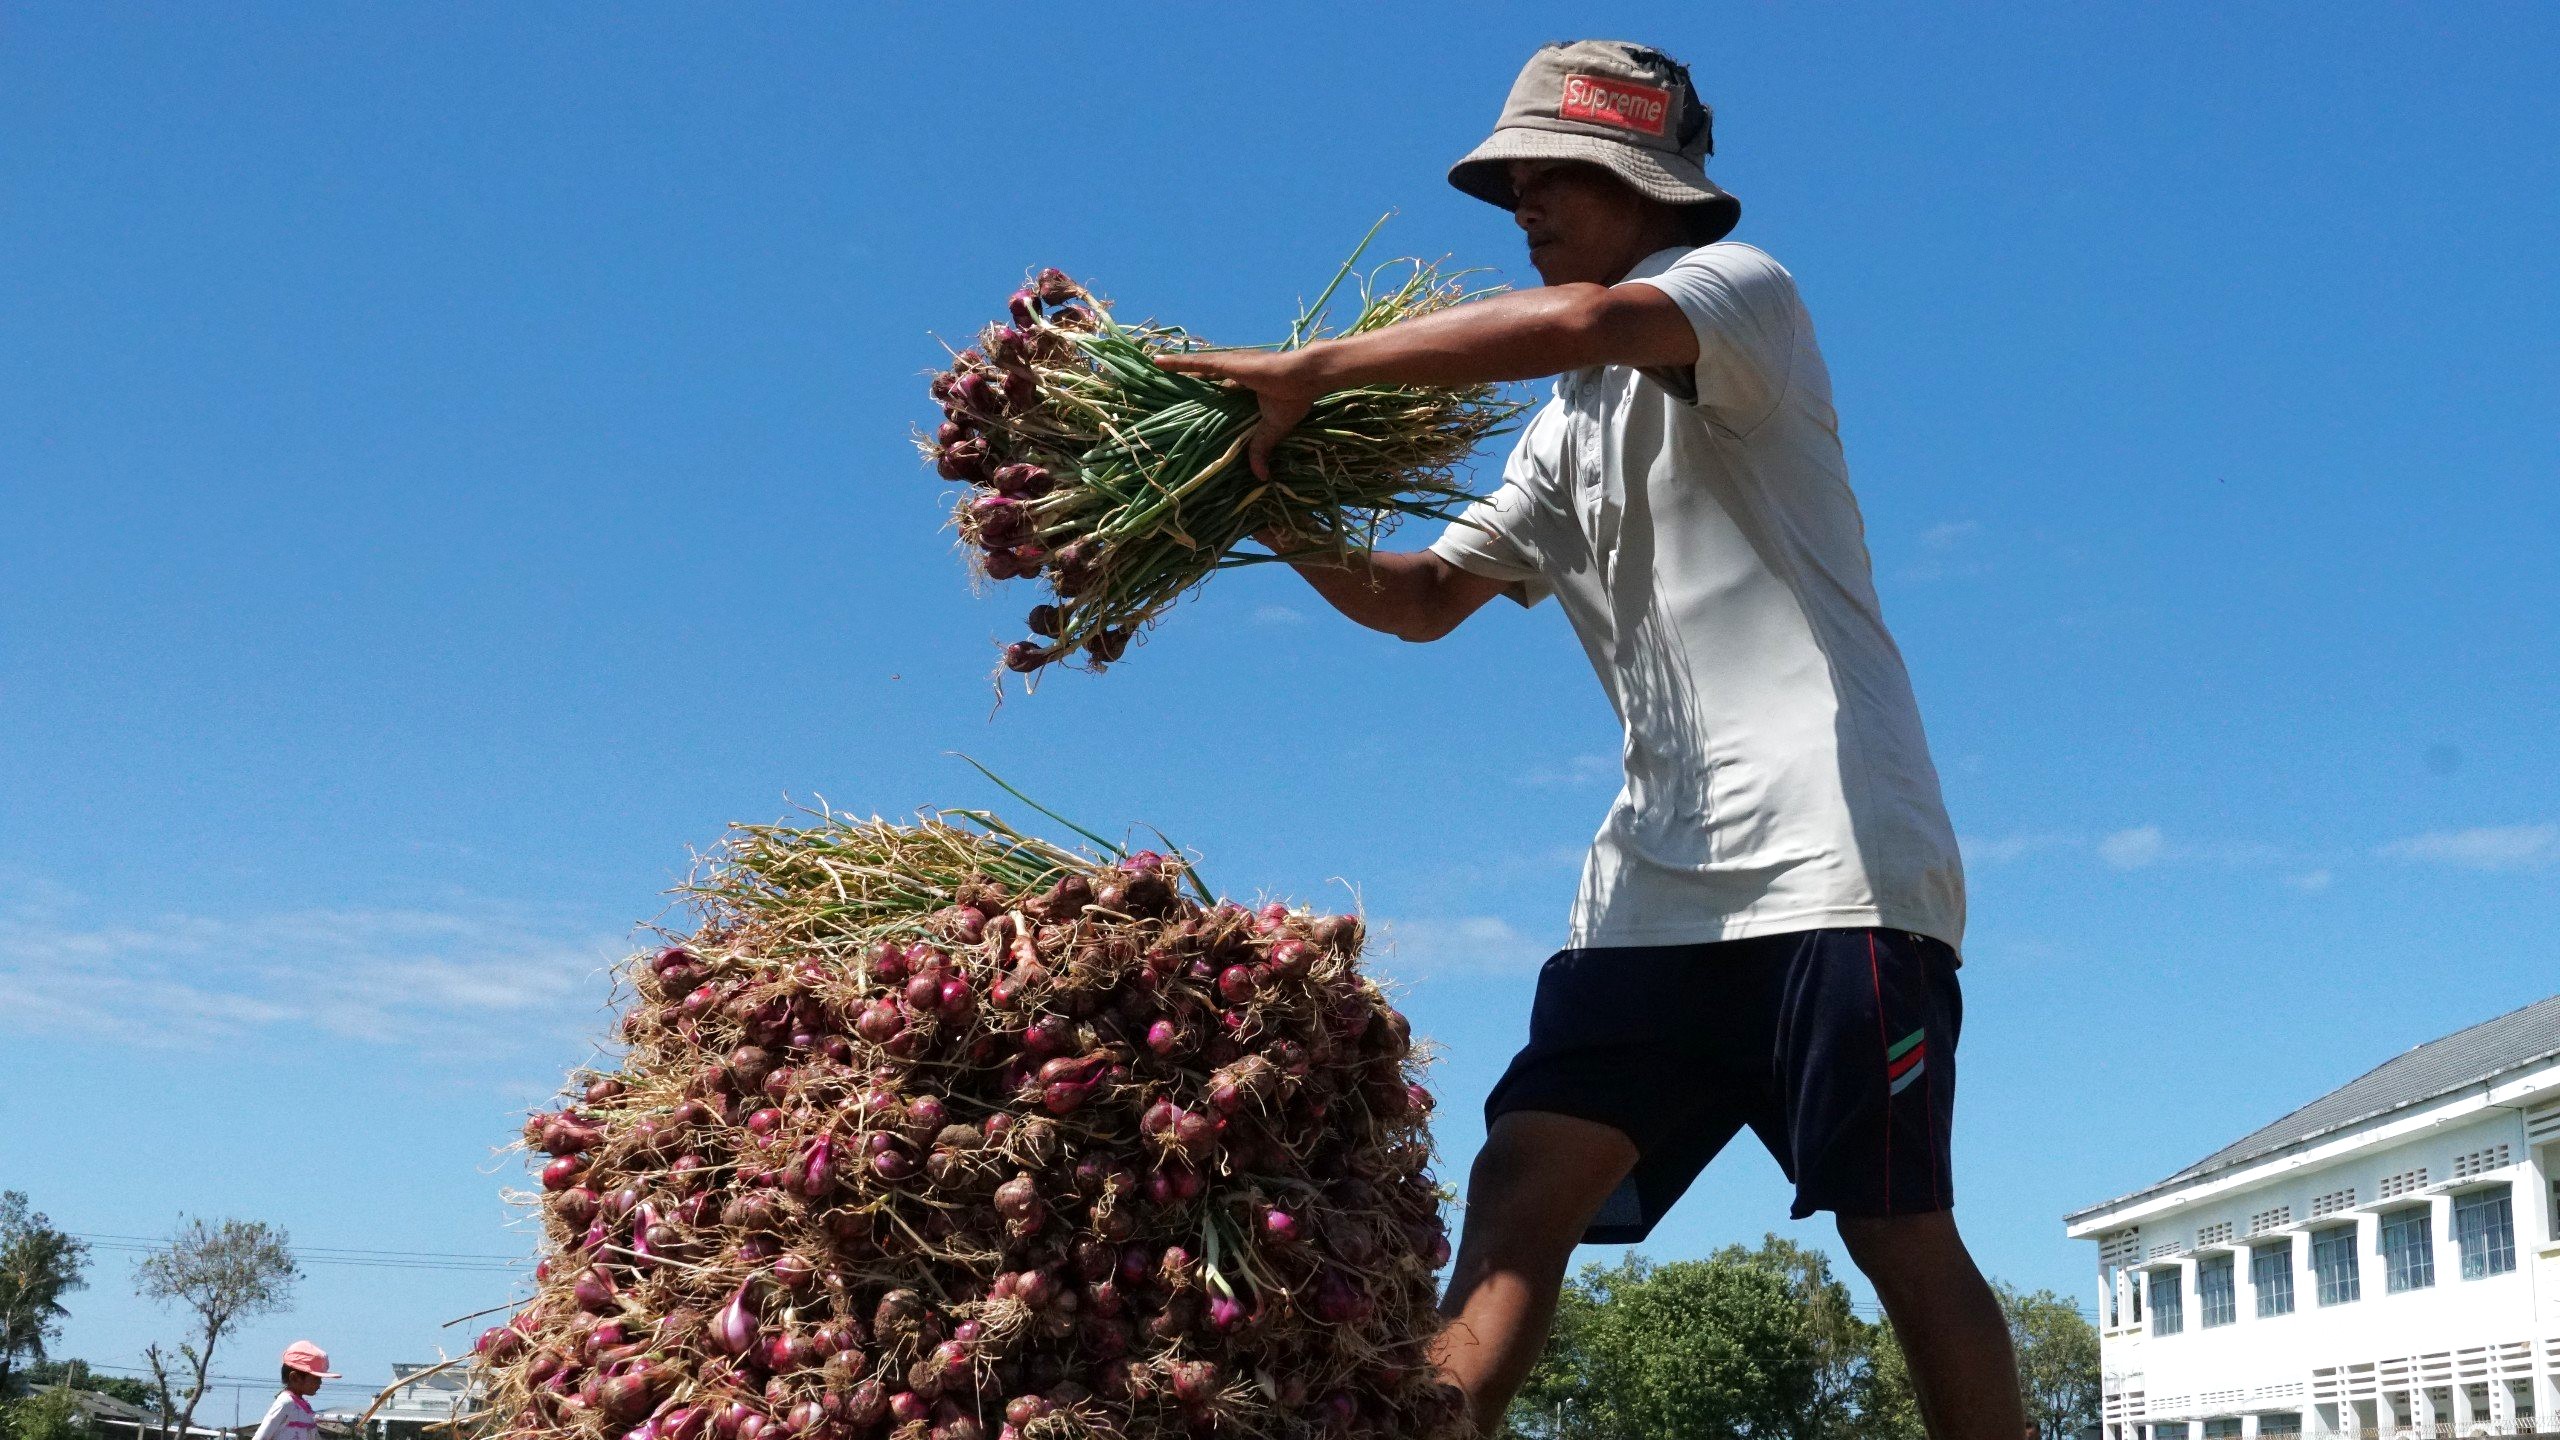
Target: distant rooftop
2514 1041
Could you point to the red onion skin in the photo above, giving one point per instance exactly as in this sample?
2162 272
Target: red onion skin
593 1291
735 1330
563 1172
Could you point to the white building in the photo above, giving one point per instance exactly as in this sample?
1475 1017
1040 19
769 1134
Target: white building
424 1408
2379 1263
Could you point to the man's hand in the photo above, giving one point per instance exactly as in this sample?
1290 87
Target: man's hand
1280 381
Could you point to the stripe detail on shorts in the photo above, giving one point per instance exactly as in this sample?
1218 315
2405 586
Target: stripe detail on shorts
1907 1059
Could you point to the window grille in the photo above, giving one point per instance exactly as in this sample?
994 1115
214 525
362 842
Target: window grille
2408 1251
2333 1202
2271 1275
2168 1303
2480 1162
2266 1220
2333 1265
2407 1182
2484 1225
2216 1301
2218 1233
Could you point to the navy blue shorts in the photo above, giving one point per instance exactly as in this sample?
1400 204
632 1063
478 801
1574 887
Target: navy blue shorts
1837 1048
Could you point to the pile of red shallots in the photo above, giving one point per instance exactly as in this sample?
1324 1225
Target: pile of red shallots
939 1132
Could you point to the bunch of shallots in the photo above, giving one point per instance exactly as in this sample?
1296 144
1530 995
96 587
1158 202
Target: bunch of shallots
939 1132
1126 485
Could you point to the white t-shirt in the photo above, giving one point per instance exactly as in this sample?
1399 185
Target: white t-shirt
289 1418
1700 533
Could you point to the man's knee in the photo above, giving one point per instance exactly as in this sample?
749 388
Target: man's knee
1887 1248
1538 1181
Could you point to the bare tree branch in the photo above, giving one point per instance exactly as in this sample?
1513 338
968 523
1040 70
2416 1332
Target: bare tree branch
222 1274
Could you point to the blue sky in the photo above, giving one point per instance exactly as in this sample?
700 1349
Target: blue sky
454 461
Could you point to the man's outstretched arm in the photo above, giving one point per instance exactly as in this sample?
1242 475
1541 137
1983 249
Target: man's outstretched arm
1413 596
1519 336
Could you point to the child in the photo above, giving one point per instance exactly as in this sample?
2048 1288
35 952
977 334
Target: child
290 1417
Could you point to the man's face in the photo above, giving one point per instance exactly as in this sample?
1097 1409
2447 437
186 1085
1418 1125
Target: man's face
1583 224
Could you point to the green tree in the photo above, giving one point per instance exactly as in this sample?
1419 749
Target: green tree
1888 1408
43 1415
38 1266
2057 1361
221 1275
1834 1339
77 1375
1744 1345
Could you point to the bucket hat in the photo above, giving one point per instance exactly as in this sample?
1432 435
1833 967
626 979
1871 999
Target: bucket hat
1629 109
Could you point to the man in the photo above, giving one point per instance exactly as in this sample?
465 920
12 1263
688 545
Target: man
1767 923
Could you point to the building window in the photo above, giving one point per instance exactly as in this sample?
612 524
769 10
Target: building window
2288 1422
2225 1429
2484 1224
2216 1301
2168 1303
2271 1275
2168 1429
2408 1251
2333 1264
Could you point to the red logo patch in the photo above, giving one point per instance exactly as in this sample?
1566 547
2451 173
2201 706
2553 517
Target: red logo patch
1603 101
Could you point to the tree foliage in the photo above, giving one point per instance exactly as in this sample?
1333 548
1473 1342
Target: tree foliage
77 1375
1763 1344
1745 1345
2057 1361
42 1415
221 1274
38 1266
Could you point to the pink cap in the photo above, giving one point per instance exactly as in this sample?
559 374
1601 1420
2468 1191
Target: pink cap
310 1359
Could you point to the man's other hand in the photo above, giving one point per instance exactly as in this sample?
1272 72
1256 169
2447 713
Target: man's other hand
1279 380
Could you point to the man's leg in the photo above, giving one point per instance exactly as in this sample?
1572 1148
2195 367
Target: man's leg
1952 1331
1534 1188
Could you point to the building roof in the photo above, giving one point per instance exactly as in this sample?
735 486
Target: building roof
2484 1052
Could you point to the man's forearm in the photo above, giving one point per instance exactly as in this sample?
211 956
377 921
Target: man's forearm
1393 593
1520 336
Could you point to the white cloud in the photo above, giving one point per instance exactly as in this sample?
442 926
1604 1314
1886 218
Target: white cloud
1463 944
1277 615
469 975
2310 882
2486 847
1947 552
1575 772
2000 851
2132 849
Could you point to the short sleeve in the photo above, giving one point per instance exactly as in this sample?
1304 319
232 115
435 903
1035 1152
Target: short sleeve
1743 306
1495 537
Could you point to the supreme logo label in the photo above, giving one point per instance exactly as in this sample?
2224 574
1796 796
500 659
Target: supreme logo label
1603 101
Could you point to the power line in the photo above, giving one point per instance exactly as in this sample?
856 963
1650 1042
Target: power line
338 1255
